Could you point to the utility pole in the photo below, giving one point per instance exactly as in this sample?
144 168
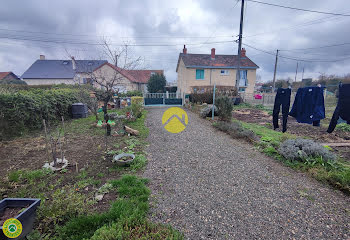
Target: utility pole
302 76
296 72
274 73
238 74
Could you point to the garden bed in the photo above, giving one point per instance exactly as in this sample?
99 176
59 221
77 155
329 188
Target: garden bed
72 191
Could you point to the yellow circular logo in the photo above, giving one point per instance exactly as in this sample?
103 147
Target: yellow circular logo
175 120
12 228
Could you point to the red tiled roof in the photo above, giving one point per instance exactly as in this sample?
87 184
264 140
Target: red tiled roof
3 74
225 61
142 76
136 76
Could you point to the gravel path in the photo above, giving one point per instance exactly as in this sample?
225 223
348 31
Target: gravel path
210 186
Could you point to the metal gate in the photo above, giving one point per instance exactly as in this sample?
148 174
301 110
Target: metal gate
162 99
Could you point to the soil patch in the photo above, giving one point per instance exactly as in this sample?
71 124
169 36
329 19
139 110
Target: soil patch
300 129
10 212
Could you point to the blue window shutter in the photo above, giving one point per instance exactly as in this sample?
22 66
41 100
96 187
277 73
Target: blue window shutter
199 73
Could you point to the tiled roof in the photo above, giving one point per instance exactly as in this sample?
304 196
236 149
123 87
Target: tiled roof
220 61
142 76
136 76
60 68
3 74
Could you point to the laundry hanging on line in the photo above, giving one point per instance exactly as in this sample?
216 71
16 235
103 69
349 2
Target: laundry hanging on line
308 106
342 109
282 99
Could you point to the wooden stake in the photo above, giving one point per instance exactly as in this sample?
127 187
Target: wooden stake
46 143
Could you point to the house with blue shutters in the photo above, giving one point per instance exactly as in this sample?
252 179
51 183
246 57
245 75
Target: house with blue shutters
197 72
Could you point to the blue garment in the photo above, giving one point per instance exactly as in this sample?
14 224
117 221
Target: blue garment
308 106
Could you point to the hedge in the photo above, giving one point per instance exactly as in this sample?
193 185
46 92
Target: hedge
24 110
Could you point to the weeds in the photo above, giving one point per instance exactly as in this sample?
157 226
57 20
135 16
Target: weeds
130 209
235 130
343 127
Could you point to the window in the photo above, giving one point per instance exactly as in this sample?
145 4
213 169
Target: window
224 72
243 82
65 62
241 89
87 81
153 73
199 73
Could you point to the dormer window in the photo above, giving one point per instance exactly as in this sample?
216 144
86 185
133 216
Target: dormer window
65 62
90 63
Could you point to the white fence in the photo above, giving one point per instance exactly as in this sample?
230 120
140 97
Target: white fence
161 95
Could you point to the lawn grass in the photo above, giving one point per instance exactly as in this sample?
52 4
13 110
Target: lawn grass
126 219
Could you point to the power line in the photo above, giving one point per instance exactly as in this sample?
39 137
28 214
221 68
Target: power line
101 36
297 59
224 16
58 41
305 24
301 9
326 46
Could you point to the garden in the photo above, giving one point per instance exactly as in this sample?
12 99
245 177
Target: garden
303 147
92 197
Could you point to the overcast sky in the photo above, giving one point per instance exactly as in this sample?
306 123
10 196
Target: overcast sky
201 25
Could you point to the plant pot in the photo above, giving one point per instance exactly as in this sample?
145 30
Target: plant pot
26 217
122 163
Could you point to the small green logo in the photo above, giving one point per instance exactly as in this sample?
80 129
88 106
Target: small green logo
12 228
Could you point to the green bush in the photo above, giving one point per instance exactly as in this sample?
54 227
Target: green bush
225 107
131 94
23 111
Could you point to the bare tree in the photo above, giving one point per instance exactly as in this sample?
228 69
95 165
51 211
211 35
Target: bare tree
109 82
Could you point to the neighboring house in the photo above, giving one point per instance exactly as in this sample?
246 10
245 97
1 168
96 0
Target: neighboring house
47 72
197 71
127 80
8 76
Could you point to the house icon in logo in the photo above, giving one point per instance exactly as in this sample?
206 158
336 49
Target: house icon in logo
175 120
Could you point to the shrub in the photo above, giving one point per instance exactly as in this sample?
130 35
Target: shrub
24 110
303 149
137 100
235 130
225 107
131 94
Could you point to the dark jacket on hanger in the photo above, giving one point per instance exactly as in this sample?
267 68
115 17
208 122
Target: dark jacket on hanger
308 106
343 107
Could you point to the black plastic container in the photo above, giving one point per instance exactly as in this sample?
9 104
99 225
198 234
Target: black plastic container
79 110
26 217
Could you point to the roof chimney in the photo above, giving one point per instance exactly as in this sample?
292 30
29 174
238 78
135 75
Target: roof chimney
185 50
42 57
213 54
243 51
74 63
